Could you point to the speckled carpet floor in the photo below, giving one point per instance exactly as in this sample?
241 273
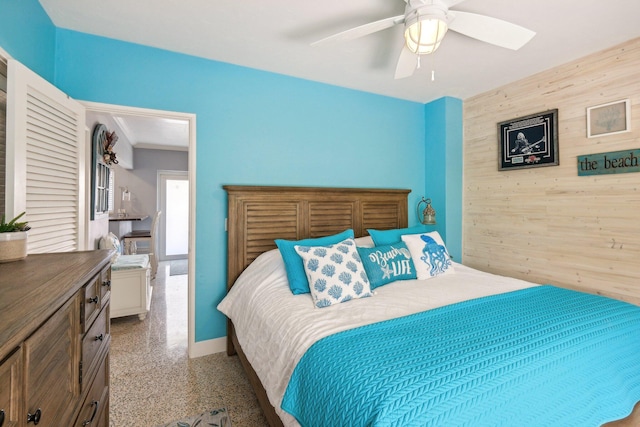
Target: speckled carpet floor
153 381
213 417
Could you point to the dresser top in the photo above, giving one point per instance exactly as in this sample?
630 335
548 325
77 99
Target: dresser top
31 290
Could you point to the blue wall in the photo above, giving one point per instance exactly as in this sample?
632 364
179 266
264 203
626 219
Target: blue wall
443 169
253 127
28 35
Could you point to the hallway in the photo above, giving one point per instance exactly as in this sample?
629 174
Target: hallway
152 379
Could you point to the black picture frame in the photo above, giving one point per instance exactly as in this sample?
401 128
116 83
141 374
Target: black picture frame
528 142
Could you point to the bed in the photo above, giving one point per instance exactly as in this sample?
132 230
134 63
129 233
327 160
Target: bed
274 331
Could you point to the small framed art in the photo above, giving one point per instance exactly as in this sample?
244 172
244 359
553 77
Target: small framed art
609 119
530 141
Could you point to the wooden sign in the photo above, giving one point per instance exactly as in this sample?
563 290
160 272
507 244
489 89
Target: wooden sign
614 162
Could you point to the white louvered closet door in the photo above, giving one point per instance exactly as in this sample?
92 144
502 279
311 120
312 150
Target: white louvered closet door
45 161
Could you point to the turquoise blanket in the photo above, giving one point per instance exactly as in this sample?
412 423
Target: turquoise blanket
542 356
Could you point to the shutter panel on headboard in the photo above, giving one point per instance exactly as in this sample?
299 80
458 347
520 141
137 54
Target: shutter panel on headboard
265 223
382 216
45 151
259 215
332 217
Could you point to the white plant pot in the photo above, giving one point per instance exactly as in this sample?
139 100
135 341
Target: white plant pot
13 246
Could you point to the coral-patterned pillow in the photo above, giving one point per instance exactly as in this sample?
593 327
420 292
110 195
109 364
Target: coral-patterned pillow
335 273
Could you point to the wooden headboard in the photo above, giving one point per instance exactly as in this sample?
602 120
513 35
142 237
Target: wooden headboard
258 215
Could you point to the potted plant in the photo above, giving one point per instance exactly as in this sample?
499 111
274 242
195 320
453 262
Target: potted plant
13 239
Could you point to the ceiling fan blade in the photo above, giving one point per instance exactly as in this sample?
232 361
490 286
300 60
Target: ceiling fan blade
490 30
451 3
407 63
448 3
362 30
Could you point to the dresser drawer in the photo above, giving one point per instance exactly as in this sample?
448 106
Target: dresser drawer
92 301
93 344
94 410
105 285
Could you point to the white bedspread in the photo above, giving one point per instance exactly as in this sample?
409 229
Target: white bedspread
275 327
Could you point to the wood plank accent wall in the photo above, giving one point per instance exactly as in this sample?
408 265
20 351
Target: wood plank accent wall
547 224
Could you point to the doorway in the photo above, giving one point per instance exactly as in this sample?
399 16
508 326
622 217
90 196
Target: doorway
193 349
173 195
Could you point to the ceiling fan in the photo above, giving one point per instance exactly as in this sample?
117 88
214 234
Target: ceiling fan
427 21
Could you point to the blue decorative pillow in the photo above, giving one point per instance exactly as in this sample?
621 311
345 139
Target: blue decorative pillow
386 264
335 273
389 237
293 263
430 256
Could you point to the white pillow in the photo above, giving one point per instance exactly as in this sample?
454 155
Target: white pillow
111 241
429 254
335 273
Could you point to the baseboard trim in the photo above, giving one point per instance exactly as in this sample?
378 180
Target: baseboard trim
204 348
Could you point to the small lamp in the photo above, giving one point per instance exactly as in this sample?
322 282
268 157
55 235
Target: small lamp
126 194
427 215
126 202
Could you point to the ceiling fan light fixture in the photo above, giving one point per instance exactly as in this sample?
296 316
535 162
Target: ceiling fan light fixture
424 36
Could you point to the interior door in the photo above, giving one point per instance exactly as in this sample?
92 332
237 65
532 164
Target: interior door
174 221
45 161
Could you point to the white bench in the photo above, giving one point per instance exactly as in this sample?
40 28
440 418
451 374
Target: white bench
131 288
130 281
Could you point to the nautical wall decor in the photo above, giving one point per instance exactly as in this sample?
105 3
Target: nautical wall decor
102 157
609 119
613 162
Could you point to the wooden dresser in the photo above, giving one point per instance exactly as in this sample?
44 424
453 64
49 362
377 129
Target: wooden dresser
54 340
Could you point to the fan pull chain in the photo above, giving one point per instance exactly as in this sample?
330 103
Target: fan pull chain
433 68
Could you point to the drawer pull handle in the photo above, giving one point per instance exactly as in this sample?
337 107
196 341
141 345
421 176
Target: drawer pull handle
1 417
107 283
93 300
95 411
35 417
99 337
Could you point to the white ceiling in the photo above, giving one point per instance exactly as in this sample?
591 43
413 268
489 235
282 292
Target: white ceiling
274 35
144 132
